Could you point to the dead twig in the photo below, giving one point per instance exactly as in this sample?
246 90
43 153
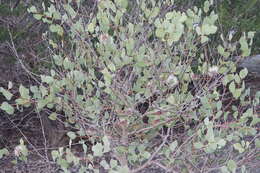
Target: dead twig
13 48
149 161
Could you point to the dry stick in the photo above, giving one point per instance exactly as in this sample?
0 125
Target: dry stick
12 47
22 119
204 165
167 169
26 138
186 141
190 165
152 127
149 161
43 134
252 152
160 165
219 167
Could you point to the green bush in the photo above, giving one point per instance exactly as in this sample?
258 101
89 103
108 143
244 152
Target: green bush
138 80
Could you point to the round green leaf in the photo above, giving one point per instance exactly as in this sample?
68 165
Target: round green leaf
3 152
71 135
243 73
53 116
98 150
232 166
6 93
7 108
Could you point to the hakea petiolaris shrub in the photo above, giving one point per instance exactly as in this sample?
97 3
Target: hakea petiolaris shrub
142 82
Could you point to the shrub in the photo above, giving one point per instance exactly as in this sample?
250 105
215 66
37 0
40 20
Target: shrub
137 83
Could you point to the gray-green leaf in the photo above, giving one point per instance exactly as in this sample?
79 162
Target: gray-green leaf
243 73
3 152
6 93
98 150
232 166
7 108
71 135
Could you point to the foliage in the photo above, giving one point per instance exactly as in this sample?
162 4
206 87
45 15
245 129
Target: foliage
235 17
240 16
125 78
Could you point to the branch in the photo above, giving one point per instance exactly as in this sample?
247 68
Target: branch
149 161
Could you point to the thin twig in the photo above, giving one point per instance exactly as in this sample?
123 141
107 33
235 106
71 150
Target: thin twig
44 136
12 47
149 161
34 148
